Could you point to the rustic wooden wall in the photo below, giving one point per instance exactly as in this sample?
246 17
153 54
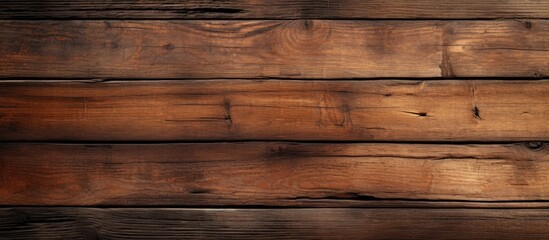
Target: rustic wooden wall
308 119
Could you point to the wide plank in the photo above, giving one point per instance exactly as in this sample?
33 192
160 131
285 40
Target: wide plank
271 174
280 9
384 110
496 48
327 223
273 48
224 49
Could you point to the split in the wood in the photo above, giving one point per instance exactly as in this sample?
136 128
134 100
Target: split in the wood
419 114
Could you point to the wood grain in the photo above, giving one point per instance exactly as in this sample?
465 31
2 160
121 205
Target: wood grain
270 174
177 223
185 113
387 110
281 49
281 9
225 49
496 48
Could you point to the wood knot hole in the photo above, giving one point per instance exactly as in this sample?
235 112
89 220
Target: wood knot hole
534 145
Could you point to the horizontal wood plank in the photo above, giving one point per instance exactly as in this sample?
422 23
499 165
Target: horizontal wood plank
280 9
271 174
385 110
177 223
224 49
282 49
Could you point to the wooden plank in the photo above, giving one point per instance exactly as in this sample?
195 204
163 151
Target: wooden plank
497 48
281 9
271 174
225 49
331 223
282 49
385 110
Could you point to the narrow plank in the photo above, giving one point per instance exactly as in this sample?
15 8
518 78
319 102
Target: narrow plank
387 110
270 174
282 49
331 223
281 9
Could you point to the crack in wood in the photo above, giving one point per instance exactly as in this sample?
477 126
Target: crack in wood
227 111
476 113
418 114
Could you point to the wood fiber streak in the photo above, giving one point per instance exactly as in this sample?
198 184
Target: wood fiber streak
328 223
281 9
273 174
385 110
224 49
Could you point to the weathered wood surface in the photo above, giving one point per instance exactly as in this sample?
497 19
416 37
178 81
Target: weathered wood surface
284 49
328 223
280 9
205 49
385 110
273 174
169 80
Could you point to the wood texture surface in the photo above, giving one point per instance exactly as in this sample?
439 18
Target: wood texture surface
289 119
280 9
385 110
282 49
226 49
272 174
173 223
